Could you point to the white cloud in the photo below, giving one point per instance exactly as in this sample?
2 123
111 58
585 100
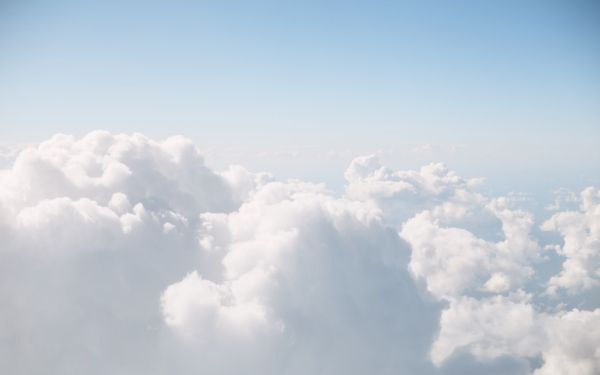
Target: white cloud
401 194
580 231
323 277
121 254
489 328
572 345
170 174
455 261
510 326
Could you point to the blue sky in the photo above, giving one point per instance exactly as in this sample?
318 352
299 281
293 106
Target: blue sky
514 85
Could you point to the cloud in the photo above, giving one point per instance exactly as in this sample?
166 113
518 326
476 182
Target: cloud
322 277
510 326
580 231
122 254
170 173
488 328
455 261
572 344
401 194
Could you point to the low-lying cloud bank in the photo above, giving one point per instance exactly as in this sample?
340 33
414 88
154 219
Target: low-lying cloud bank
124 255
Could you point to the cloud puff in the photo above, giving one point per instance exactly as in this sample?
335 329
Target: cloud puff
403 193
169 174
454 261
489 328
510 326
478 253
571 346
322 277
580 231
121 254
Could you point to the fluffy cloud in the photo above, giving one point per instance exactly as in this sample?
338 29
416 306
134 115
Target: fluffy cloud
170 174
403 193
581 248
454 261
121 254
324 278
93 230
489 328
510 326
461 240
572 346
477 254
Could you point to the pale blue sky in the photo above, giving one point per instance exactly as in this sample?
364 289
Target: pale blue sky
509 90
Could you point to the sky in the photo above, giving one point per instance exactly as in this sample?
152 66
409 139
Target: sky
511 84
282 188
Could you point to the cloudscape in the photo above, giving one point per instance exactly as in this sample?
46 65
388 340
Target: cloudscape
123 254
300 188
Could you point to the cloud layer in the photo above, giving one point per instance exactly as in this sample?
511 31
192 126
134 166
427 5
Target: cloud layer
121 254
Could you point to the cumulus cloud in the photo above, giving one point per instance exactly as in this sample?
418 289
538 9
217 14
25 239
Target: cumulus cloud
489 328
322 277
403 193
454 260
571 346
510 326
478 254
122 254
169 174
580 231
